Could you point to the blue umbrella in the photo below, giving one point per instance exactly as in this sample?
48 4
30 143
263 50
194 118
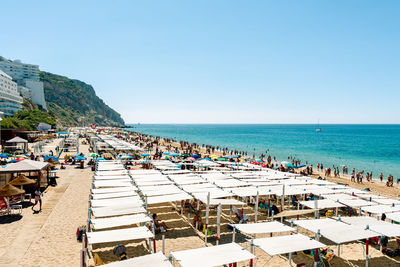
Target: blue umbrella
165 153
174 154
196 156
99 159
231 156
50 157
290 165
3 156
13 161
145 155
80 158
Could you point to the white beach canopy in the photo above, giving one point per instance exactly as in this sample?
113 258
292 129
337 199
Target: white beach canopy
119 235
287 244
105 223
153 260
212 256
116 210
263 227
375 225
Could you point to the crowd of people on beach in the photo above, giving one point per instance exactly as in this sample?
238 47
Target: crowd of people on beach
185 147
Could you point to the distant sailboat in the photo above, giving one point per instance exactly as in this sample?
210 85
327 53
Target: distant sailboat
319 129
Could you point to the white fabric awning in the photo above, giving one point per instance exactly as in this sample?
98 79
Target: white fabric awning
111 183
111 177
356 203
335 231
135 200
379 209
119 221
375 225
114 195
395 216
113 190
287 244
264 227
116 211
321 204
168 198
152 260
119 235
212 256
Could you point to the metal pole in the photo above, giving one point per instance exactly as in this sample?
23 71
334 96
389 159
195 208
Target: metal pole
256 207
207 214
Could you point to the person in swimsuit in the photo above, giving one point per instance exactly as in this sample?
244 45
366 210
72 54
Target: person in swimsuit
38 198
158 223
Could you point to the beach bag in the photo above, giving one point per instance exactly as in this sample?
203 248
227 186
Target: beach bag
388 252
79 232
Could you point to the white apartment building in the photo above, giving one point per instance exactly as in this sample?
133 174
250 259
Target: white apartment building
26 75
10 100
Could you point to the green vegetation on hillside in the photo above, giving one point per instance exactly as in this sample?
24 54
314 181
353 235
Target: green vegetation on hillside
73 102
28 119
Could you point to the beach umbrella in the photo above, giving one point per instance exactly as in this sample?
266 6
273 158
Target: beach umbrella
10 190
12 161
44 153
165 153
126 157
99 159
94 155
3 156
222 159
21 156
231 156
107 155
22 180
174 154
290 165
195 156
214 156
20 159
80 158
145 155
190 159
50 158
166 157
7 154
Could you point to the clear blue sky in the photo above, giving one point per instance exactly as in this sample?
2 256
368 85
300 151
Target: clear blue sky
219 61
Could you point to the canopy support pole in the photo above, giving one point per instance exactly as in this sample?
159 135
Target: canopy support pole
256 207
207 214
366 252
163 244
197 214
219 222
233 234
316 258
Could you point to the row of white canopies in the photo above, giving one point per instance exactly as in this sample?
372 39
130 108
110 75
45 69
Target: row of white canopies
119 192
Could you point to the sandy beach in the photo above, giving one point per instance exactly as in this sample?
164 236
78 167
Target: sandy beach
48 238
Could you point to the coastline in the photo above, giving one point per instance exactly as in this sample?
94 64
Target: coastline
374 185
349 145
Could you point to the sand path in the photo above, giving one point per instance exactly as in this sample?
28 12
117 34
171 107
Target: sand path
48 238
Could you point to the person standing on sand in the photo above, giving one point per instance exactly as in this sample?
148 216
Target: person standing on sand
381 177
38 198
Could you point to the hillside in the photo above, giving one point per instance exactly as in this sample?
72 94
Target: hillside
72 101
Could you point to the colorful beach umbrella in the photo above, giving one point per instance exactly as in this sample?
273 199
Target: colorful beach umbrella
50 157
145 155
3 156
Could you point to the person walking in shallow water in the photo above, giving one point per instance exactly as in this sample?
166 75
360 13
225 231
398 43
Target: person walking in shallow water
38 198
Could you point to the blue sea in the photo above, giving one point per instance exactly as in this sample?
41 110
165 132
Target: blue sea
364 147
